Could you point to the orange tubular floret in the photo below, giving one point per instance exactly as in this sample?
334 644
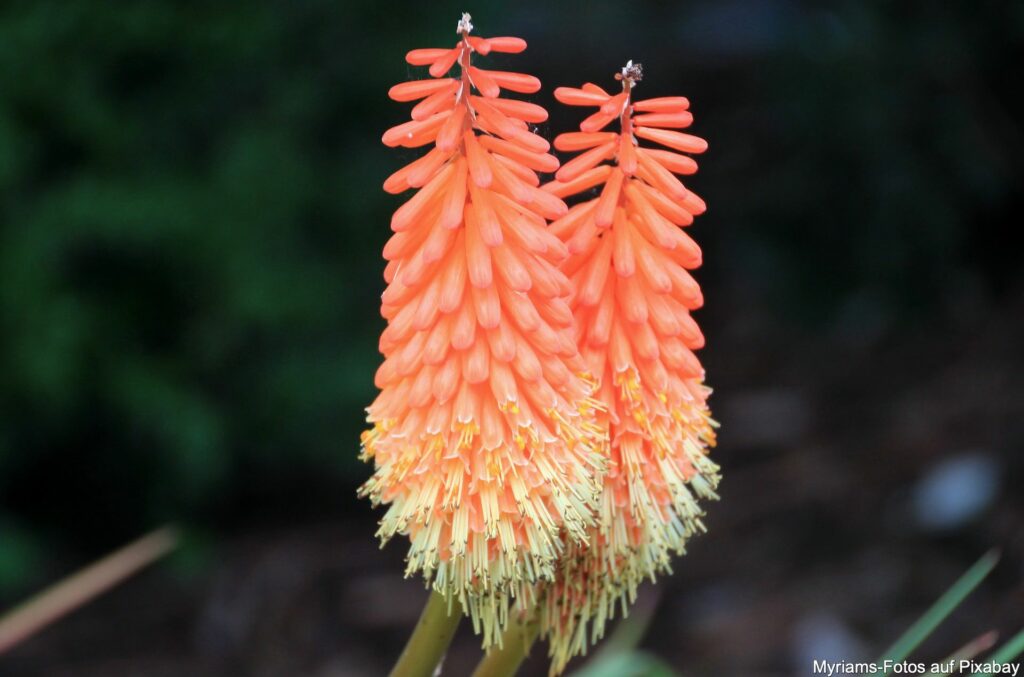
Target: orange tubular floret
444 63
479 45
676 120
484 437
538 161
516 82
580 140
435 103
585 161
522 110
585 181
686 143
578 97
484 82
417 89
424 57
507 45
632 297
411 134
665 104
598 120
674 162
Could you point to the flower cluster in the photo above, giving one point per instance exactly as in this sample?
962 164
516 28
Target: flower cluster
484 438
542 429
632 297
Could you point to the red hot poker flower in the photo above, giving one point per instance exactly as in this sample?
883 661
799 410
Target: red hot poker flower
632 297
484 438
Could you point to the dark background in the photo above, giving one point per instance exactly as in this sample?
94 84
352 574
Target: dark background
190 274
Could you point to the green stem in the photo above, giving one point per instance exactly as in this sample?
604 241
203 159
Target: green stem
515 646
429 640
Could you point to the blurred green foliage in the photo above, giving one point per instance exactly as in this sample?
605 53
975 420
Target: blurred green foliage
192 219
185 272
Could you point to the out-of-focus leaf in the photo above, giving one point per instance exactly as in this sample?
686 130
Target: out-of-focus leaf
938 612
1007 653
969 651
626 664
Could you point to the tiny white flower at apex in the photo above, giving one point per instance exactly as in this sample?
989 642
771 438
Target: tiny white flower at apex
634 72
465 24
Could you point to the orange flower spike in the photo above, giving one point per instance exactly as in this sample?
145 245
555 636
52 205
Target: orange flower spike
632 297
484 439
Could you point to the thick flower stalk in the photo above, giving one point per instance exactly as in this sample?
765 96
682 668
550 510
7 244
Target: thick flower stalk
632 297
484 438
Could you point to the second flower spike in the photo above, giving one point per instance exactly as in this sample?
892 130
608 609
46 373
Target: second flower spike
632 297
484 439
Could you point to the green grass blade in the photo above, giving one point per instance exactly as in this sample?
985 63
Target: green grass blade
938 612
1007 653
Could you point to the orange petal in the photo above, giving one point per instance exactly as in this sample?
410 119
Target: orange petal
438 341
443 99
446 380
672 211
676 120
568 224
448 136
426 167
524 174
660 178
571 96
502 341
484 82
486 220
464 327
424 57
584 181
684 288
622 247
594 89
453 279
478 255
410 133
674 162
475 362
455 200
652 266
609 200
571 141
584 161
444 63
480 45
597 274
627 155
406 215
663 314
686 143
541 162
522 110
488 308
602 320
510 269
516 82
693 204
417 89
479 169
597 121
664 104
614 105
631 298
507 45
